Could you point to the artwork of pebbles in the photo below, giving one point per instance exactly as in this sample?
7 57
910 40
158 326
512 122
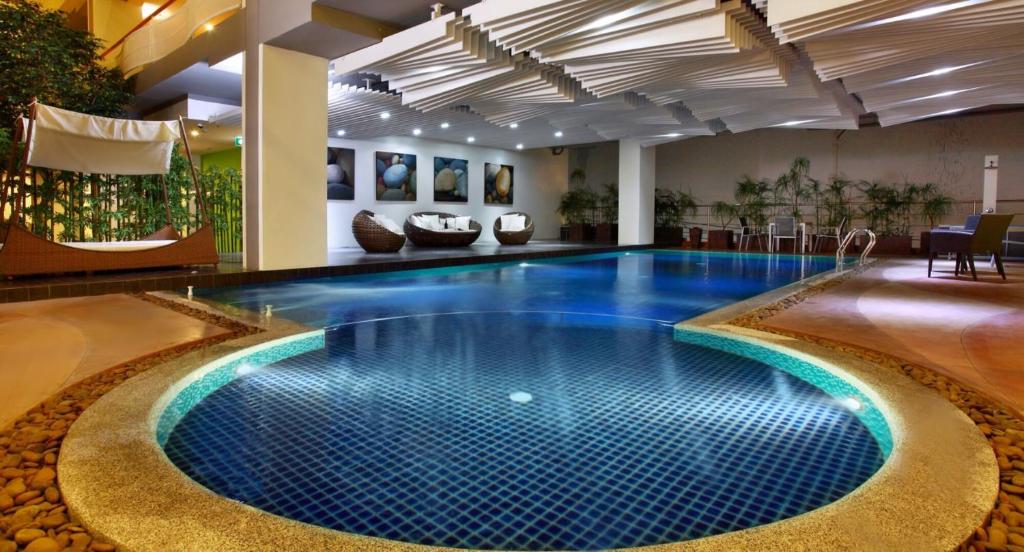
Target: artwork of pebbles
396 176
451 179
497 183
341 180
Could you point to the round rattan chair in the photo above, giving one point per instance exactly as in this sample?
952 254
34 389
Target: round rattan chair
518 237
429 238
373 237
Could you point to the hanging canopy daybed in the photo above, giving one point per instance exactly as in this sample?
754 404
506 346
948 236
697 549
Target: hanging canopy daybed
65 140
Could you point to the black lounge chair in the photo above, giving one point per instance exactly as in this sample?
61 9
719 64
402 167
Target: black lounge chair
980 236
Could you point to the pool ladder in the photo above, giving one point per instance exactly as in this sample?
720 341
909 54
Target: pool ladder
841 251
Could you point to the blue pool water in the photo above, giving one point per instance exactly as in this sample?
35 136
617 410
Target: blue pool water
661 285
543 406
523 431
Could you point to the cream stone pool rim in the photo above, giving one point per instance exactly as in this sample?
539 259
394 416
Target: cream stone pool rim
937 484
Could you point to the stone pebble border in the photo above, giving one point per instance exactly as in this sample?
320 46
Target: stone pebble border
33 515
1003 528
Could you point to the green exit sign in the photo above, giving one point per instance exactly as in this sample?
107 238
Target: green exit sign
238 141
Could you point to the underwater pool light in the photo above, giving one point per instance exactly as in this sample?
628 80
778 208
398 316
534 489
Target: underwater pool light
852 404
244 369
521 397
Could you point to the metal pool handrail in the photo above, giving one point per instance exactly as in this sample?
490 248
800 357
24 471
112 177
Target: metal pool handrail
841 251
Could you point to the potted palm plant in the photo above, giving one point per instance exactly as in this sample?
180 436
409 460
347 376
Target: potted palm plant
688 206
666 218
834 200
752 201
933 206
572 208
724 213
887 212
608 205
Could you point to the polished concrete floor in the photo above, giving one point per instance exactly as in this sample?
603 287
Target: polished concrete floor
970 331
49 345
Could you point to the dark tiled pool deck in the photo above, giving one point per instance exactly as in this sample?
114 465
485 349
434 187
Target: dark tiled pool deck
340 262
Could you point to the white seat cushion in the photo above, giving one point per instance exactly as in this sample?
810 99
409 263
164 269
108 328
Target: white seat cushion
513 223
428 222
136 245
388 224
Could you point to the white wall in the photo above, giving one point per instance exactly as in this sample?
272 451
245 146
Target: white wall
539 179
949 152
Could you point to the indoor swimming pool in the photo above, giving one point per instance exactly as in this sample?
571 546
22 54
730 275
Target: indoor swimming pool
536 407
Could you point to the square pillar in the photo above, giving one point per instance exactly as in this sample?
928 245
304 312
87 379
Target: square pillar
285 129
636 193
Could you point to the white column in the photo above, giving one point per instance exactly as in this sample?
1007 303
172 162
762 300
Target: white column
285 147
636 193
991 188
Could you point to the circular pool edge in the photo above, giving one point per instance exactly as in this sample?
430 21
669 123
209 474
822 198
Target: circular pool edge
934 487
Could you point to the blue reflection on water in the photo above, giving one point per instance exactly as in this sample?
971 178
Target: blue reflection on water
661 285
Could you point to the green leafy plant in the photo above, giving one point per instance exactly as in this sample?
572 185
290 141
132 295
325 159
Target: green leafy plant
933 204
752 197
43 57
887 208
793 186
608 203
573 206
724 213
836 201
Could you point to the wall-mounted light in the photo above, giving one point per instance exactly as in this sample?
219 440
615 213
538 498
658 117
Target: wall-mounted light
445 125
208 27
514 125
340 133
471 139
558 134
385 115
194 133
416 132
519 146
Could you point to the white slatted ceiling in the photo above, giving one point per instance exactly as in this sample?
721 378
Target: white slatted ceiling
659 70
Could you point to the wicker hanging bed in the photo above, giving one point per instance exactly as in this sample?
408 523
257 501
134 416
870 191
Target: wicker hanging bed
372 236
64 140
423 237
518 237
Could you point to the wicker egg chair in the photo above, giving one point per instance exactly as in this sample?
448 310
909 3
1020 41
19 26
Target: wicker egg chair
429 238
373 237
519 237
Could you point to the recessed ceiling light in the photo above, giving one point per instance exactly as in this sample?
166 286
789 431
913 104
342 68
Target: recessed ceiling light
340 133
471 139
385 115
208 27
445 125
519 146
558 134
514 125
416 132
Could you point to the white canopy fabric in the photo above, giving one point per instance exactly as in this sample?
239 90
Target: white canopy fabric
70 141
